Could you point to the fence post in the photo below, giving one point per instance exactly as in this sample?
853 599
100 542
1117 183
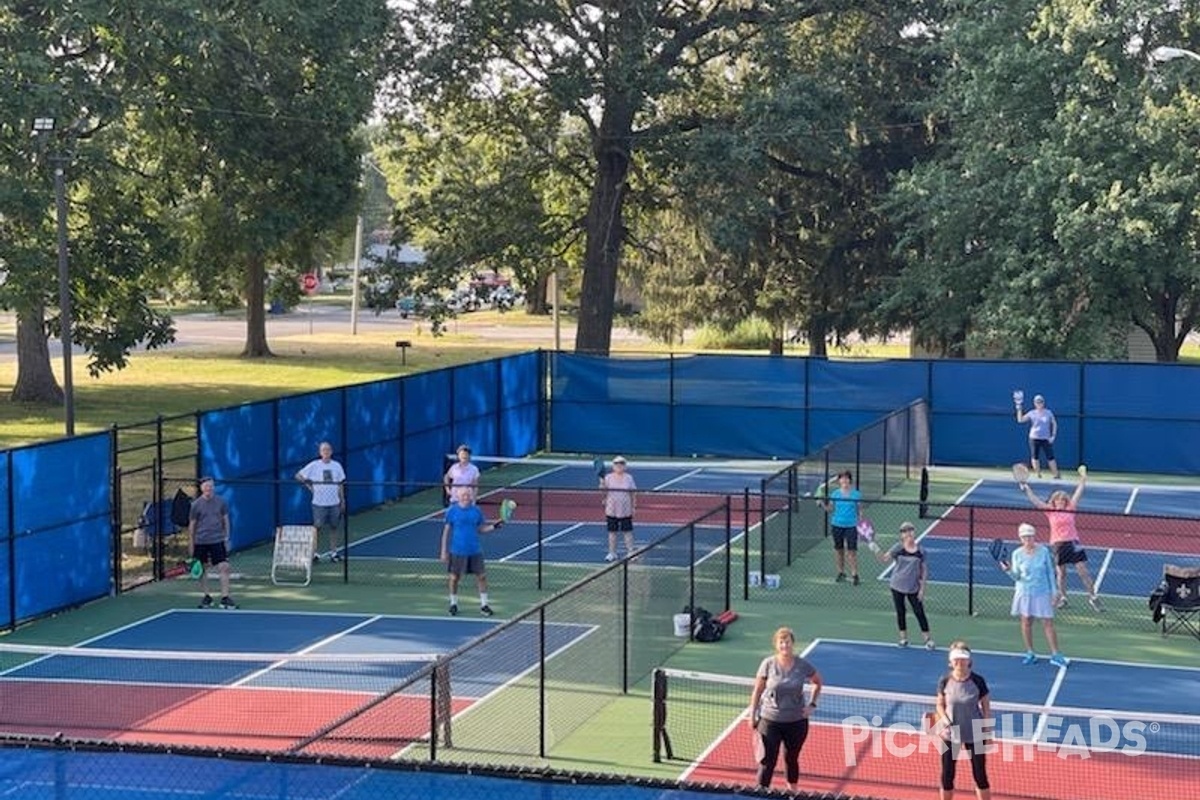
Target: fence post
540 553
746 543
115 506
971 561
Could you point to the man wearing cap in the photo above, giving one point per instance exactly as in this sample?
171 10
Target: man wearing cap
208 530
620 501
462 473
1043 428
1032 569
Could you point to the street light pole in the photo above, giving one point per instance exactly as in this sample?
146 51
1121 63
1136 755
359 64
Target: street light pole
43 126
64 291
1171 53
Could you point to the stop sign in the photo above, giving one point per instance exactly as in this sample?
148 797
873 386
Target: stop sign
309 282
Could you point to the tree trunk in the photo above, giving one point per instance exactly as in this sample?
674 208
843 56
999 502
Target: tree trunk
536 302
35 377
605 229
256 312
817 332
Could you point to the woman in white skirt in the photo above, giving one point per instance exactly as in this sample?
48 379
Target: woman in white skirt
1032 569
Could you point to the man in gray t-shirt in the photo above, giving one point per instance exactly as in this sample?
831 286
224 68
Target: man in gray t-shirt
208 529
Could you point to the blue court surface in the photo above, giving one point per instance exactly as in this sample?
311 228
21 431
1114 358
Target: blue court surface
577 543
1115 572
55 774
299 633
1099 498
1039 703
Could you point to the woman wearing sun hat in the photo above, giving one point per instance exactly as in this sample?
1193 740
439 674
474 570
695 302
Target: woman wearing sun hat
1032 569
963 717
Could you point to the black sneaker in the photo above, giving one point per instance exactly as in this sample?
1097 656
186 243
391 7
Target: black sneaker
841 578
206 602
854 580
486 611
335 556
454 609
227 602
316 558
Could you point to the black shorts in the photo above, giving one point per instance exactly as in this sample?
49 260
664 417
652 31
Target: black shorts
472 565
844 538
1041 446
619 524
210 553
1068 553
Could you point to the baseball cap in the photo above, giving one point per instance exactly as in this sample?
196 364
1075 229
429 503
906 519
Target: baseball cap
1037 398
1025 529
619 460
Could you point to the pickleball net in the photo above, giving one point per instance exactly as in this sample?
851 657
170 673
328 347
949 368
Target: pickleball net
876 744
669 492
341 704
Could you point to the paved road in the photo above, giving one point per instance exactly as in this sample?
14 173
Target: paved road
206 329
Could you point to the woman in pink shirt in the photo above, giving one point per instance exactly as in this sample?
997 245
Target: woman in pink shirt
1064 539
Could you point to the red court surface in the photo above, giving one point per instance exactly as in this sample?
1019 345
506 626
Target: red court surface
1024 773
221 717
1166 535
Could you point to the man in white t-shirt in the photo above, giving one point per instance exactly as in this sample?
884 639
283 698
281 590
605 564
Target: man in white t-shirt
620 501
326 479
462 473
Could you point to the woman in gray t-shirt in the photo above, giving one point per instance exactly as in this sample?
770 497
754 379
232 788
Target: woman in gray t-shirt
909 574
779 709
964 714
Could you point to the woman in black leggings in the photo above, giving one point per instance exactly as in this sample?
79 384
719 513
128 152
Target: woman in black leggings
964 718
909 574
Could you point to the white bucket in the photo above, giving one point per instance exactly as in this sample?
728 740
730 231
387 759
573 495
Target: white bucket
683 624
771 582
755 578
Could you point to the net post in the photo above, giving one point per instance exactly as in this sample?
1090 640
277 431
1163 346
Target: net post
441 711
745 543
728 552
540 533
971 561
662 741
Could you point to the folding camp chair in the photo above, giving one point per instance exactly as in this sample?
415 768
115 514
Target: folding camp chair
292 562
1181 600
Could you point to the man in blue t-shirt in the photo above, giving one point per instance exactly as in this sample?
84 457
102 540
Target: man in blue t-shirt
843 505
461 549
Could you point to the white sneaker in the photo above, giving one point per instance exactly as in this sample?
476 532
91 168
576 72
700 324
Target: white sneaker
1061 602
611 557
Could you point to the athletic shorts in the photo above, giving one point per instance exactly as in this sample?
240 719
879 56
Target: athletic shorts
844 538
210 553
1041 447
327 516
619 524
470 565
1068 552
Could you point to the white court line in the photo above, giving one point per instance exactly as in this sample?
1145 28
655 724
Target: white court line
682 477
309 649
1051 696
1100 573
534 546
930 527
1132 497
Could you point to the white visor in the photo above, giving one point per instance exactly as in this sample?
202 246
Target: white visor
960 655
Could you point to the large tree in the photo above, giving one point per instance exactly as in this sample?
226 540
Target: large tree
267 98
70 62
1062 208
614 67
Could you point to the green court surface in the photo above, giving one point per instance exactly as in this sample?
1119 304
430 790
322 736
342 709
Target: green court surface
617 739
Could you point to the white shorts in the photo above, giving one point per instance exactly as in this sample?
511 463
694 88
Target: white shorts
1039 606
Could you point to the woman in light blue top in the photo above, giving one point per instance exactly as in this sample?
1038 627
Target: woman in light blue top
1032 569
844 506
